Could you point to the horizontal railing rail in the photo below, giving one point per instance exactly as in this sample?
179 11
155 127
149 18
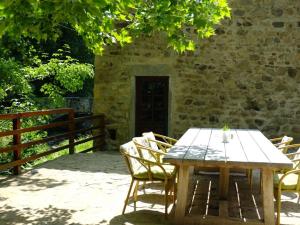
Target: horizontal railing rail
11 116
96 129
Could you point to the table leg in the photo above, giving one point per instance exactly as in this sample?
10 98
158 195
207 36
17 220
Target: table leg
182 194
223 183
267 191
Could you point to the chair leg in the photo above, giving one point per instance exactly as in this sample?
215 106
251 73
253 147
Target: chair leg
166 198
128 195
135 194
144 187
276 194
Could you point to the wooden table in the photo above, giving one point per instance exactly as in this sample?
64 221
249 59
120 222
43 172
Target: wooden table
247 149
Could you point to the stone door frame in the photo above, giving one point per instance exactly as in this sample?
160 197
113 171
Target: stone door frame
153 71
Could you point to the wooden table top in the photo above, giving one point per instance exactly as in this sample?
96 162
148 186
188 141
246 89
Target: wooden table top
247 149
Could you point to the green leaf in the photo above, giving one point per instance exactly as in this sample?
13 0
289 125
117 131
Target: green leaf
102 22
191 46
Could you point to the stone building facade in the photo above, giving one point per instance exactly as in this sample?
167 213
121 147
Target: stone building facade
247 75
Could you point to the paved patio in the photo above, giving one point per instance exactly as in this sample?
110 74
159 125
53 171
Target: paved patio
91 188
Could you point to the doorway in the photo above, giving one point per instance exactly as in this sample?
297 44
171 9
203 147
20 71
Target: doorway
151 108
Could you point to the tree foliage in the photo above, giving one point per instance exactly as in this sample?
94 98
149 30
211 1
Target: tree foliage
61 74
53 78
13 82
105 22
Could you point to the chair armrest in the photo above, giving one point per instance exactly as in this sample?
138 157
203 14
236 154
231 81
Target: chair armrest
167 139
161 145
288 146
281 143
285 148
151 150
148 164
154 153
142 160
276 139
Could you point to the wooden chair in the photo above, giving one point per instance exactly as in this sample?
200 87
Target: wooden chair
287 181
144 170
281 142
146 151
159 142
294 156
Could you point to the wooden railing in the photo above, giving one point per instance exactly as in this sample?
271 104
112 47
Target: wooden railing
97 130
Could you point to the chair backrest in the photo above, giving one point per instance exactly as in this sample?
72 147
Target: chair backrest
284 142
151 136
141 142
297 157
127 150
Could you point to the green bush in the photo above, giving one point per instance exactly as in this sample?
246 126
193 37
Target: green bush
20 86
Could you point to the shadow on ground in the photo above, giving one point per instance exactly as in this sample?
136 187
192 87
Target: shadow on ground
49 215
141 217
288 209
32 184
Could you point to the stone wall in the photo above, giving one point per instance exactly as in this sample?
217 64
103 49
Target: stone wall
247 75
79 104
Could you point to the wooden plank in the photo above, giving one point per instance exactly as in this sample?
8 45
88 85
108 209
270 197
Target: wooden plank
30 129
253 152
178 151
182 194
10 116
276 158
198 148
268 203
216 149
51 138
85 118
235 154
188 137
34 157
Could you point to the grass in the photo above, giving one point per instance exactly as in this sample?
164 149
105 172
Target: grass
78 148
83 146
7 157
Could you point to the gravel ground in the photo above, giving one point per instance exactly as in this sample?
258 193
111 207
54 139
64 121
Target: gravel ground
90 188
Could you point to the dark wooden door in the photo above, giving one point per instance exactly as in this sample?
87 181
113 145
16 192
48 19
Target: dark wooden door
151 109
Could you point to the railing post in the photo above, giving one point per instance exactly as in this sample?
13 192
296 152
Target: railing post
71 118
17 141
